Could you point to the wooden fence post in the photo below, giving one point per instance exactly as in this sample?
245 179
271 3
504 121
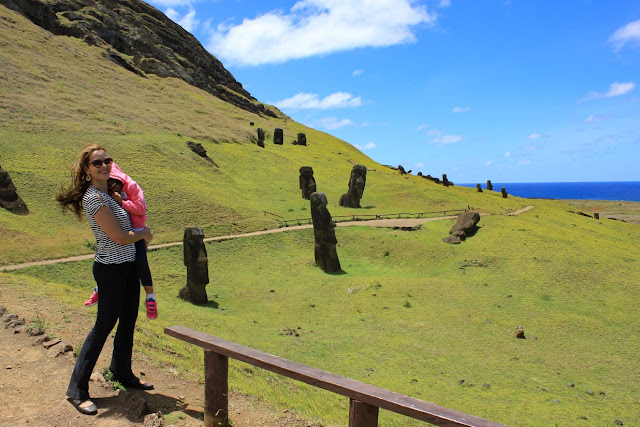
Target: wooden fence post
216 389
362 414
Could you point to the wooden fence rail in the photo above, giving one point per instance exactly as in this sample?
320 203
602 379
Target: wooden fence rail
365 217
365 399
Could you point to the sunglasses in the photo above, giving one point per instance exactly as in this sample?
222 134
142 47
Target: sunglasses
97 163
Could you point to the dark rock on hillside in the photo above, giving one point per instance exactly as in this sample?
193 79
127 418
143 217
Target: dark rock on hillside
197 148
141 39
465 226
9 198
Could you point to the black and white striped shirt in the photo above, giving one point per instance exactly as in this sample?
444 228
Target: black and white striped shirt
109 252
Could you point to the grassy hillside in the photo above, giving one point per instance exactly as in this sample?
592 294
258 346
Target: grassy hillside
58 94
405 315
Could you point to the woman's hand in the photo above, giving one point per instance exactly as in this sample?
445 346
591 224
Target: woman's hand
148 237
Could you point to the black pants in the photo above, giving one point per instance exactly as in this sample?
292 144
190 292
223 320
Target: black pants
142 264
119 299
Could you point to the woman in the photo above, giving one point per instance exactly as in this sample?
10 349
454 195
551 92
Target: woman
114 271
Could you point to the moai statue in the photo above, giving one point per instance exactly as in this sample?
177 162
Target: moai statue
401 169
445 181
596 215
278 136
260 137
356 187
302 139
489 185
479 188
325 235
504 193
195 258
307 182
9 198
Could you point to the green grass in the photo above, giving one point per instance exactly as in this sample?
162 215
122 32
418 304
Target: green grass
405 315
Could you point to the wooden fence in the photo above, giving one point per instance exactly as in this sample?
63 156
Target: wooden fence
365 399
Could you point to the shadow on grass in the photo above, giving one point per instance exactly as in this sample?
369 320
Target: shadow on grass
337 273
473 232
210 304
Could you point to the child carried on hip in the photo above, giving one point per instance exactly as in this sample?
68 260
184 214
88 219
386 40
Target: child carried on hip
129 195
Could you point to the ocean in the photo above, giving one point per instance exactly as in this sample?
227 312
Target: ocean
620 191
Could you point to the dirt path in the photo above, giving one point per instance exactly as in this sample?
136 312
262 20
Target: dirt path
33 384
405 223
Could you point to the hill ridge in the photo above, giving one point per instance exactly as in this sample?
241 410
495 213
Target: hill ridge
143 40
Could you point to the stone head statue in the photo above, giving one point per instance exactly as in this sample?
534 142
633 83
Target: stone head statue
357 182
325 236
195 258
307 182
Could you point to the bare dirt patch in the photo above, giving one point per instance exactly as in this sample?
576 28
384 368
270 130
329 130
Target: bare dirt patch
622 211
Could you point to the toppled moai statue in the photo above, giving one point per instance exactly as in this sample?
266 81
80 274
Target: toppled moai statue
307 182
504 193
479 188
357 182
302 139
278 136
197 148
401 170
195 258
325 235
260 137
489 185
9 198
465 225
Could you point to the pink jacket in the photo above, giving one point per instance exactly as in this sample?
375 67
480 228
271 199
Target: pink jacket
132 197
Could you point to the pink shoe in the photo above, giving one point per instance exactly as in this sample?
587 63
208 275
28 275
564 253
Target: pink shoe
152 309
93 300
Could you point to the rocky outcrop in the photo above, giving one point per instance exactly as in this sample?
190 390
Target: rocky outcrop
141 39
465 226
9 198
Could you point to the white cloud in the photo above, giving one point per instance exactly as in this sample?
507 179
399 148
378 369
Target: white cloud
630 33
447 139
592 119
333 123
444 3
489 163
312 100
422 126
419 165
188 21
616 89
461 109
434 132
318 27
357 73
367 146
525 162
507 154
534 135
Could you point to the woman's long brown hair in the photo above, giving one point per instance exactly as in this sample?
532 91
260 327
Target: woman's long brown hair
70 198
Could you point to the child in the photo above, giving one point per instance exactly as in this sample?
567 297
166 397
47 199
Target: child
129 195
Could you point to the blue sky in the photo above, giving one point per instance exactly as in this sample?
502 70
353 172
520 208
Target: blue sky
513 91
